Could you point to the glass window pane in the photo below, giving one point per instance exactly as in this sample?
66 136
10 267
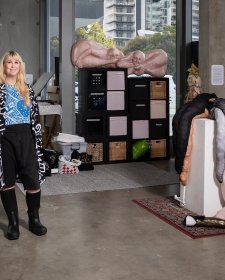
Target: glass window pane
195 20
53 36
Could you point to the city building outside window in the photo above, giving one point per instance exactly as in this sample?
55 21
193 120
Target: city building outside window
195 20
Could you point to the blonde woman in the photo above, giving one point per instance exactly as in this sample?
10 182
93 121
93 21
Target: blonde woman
20 145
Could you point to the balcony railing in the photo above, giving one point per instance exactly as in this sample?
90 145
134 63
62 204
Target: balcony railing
120 28
120 3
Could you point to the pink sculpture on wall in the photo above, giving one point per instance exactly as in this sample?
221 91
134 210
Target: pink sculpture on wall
153 63
88 54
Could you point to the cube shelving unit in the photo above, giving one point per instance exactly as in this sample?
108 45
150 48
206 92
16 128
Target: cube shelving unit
117 114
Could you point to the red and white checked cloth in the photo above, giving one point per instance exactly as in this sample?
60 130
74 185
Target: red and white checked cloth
68 167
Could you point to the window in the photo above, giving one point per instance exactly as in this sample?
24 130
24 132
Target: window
129 9
129 26
53 33
129 18
195 20
129 34
119 9
119 18
119 26
119 34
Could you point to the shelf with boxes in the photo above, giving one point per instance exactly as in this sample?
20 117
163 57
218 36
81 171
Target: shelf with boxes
149 117
123 119
102 117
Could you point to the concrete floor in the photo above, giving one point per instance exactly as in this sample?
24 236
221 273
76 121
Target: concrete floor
105 236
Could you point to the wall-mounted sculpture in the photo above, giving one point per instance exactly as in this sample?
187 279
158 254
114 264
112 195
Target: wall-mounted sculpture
153 63
88 54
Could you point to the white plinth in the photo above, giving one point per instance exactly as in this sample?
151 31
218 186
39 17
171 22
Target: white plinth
203 193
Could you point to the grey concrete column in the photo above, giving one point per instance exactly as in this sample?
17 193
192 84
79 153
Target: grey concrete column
183 39
211 42
66 31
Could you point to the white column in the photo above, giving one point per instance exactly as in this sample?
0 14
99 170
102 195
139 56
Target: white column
203 194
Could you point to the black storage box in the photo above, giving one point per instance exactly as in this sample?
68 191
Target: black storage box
139 109
138 88
158 128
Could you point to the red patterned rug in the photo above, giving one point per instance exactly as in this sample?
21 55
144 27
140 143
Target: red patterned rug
169 210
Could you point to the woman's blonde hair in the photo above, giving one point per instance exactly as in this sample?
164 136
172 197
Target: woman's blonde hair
20 85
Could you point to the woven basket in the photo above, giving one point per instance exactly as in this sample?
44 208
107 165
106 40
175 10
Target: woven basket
96 150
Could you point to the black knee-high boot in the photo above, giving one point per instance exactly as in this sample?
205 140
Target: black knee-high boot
33 204
9 202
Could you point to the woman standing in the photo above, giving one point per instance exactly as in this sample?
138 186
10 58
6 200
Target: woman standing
20 144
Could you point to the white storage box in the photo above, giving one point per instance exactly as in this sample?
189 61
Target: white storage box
115 100
68 138
67 148
140 129
117 126
115 80
157 109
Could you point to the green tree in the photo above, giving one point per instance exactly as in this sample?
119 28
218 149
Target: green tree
165 40
95 33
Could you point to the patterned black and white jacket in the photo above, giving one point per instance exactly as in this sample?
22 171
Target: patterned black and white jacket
35 127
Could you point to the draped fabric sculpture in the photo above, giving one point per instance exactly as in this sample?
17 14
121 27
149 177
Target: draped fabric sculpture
182 120
203 106
215 109
87 54
217 113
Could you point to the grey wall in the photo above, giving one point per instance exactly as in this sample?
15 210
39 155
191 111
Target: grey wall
211 42
19 31
66 31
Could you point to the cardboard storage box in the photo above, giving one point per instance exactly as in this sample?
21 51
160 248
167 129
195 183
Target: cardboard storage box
117 150
53 94
158 89
158 148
